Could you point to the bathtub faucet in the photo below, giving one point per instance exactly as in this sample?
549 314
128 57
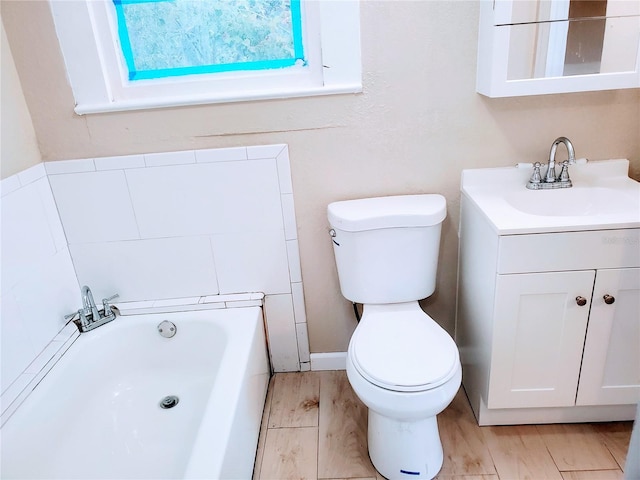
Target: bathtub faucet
89 316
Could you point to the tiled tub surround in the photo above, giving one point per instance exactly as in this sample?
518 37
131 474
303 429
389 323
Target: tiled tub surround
193 227
38 286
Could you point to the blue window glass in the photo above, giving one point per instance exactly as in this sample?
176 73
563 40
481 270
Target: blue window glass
164 38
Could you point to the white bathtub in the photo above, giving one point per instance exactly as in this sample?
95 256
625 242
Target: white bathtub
97 413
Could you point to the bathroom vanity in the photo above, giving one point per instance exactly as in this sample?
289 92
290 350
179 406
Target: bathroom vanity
548 315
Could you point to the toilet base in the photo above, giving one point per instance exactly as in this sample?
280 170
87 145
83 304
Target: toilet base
404 449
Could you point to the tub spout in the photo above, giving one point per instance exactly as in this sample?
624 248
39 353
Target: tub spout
89 304
89 317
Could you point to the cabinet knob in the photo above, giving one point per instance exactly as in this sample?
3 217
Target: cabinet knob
581 301
609 299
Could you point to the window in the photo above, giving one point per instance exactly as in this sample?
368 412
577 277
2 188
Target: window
135 54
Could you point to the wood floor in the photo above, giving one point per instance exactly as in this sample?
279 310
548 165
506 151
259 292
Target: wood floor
314 427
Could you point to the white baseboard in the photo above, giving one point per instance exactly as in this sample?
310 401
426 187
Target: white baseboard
329 361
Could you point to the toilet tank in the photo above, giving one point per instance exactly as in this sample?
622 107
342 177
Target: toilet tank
386 248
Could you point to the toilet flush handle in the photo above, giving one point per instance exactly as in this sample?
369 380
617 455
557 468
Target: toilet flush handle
332 234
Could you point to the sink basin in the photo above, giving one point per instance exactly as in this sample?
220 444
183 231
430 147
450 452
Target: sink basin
568 202
602 197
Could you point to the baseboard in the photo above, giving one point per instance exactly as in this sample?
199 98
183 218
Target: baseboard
329 361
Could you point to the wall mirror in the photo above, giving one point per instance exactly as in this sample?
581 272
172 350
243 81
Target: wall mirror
533 47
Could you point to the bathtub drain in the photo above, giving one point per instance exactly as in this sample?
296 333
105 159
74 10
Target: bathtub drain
169 401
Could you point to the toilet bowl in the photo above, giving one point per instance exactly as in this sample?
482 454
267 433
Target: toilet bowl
401 364
405 368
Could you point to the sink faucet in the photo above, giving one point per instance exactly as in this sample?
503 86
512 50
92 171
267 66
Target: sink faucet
89 317
551 180
550 176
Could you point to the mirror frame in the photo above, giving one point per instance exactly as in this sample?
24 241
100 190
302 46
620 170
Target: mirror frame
493 54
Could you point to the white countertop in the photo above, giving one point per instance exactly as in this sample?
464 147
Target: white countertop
602 197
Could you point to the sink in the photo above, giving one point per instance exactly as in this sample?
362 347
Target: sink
568 202
602 197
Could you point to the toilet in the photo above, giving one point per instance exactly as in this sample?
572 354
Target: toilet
401 364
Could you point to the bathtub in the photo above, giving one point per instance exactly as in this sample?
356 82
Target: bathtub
97 413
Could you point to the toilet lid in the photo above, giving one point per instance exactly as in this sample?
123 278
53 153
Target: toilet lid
404 351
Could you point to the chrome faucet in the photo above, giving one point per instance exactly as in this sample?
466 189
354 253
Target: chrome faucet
551 180
89 317
89 304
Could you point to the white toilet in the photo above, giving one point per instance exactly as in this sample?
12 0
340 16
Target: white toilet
402 365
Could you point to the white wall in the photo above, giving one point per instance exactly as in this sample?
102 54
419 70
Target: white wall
417 124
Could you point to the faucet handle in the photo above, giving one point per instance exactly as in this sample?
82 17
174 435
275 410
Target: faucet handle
535 176
107 300
107 308
82 321
564 173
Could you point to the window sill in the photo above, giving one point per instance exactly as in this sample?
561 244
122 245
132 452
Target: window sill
240 96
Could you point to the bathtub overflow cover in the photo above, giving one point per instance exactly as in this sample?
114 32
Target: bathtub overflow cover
169 401
167 329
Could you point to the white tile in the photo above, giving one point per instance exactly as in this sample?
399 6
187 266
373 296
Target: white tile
147 269
243 303
328 361
174 200
26 239
249 197
94 206
293 258
251 262
298 303
14 391
44 357
213 299
184 308
47 297
120 162
281 331
67 332
124 308
305 366
9 185
221 155
32 174
69 166
206 198
169 158
303 341
16 351
289 217
51 213
284 171
235 297
264 151
171 302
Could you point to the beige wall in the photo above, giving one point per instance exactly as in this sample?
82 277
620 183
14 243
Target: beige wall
18 143
418 123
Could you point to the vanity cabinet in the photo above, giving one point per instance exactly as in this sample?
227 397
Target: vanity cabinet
548 324
557 345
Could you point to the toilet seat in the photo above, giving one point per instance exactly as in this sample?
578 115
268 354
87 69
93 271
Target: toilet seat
403 349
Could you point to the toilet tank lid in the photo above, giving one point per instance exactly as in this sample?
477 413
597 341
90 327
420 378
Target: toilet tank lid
387 212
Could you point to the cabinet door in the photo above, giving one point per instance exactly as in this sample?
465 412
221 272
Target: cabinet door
538 338
610 372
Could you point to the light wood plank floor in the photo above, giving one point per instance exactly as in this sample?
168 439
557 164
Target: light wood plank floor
314 427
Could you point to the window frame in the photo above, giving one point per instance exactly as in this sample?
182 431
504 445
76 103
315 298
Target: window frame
99 79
